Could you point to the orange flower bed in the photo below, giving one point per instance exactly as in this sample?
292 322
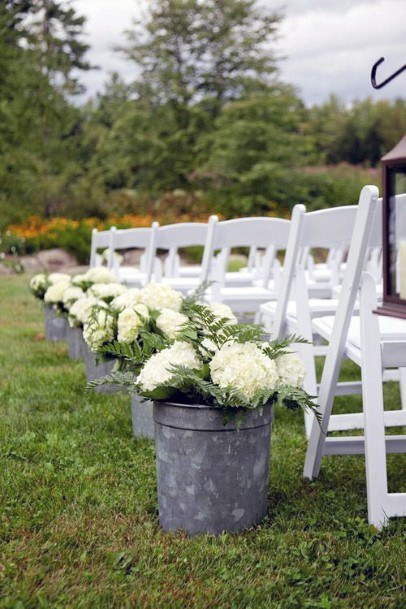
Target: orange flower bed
38 227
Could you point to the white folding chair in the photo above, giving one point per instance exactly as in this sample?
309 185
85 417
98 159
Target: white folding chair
269 234
173 237
133 239
101 240
294 308
341 331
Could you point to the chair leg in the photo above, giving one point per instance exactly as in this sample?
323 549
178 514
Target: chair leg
373 407
402 386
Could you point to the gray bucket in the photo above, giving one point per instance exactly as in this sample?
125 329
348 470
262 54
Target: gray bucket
56 326
96 370
76 344
212 477
142 418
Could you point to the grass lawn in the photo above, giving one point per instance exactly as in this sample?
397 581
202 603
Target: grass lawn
78 507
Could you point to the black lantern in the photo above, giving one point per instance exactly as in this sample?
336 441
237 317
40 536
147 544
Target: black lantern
394 231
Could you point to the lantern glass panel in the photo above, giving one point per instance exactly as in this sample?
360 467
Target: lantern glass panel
397 231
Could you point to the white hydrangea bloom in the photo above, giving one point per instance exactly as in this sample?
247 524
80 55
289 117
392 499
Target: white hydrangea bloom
56 291
39 284
79 279
170 322
107 291
161 296
130 321
81 310
220 309
71 295
245 367
116 256
38 281
207 343
100 274
126 299
157 369
291 370
98 329
56 277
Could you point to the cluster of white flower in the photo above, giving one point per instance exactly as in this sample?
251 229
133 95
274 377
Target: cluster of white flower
291 370
79 279
220 309
130 322
56 277
98 329
55 293
39 284
105 256
170 322
81 309
160 296
129 298
157 369
99 274
107 291
245 367
71 295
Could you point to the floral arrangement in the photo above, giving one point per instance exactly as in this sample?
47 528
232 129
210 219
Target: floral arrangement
197 353
74 297
40 283
131 313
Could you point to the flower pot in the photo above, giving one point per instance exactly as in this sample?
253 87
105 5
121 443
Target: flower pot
142 418
212 474
95 370
56 326
76 344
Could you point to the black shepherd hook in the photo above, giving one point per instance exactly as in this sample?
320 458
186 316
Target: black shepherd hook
385 82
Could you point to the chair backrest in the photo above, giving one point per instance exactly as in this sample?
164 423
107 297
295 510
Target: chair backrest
131 238
324 229
270 234
101 239
175 236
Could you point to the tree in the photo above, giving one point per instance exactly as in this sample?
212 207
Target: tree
54 34
257 143
190 50
192 57
39 127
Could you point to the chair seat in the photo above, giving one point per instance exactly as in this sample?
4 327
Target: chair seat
192 270
131 276
239 278
182 284
318 307
243 299
316 289
319 274
391 329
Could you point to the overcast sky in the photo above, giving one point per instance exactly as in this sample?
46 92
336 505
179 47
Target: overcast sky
329 45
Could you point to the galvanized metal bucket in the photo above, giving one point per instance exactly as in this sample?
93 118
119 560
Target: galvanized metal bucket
56 326
212 467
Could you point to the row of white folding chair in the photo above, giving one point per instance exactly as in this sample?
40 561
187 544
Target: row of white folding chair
218 239
171 239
